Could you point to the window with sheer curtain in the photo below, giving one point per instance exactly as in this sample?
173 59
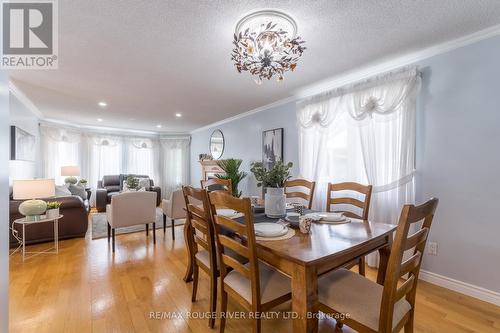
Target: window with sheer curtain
165 159
363 133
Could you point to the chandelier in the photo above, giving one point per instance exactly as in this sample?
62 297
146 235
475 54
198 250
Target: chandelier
266 45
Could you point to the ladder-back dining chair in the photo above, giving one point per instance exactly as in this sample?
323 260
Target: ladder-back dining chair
388 308
255 285
202 242
362 207
217 184
291 192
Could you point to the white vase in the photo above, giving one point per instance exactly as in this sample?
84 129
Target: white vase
52 213
275 202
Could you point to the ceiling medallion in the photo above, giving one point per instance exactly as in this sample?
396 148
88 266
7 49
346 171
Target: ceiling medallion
266 45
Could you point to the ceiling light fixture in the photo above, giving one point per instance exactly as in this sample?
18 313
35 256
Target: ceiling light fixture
178 115
102 104
158 126
100 120
266 45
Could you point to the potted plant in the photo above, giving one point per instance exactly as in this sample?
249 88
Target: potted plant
232 171
132 183
53 209
273 181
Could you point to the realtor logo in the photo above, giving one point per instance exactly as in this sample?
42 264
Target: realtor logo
29 35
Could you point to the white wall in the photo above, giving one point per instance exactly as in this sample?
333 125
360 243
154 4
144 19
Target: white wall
4 202
23 118
458 159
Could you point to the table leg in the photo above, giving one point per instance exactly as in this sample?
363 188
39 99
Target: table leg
188 241
384 254
305 299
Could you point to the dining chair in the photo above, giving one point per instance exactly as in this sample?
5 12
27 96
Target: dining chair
387 308
255 285
202 250
363 207
301 183
214 184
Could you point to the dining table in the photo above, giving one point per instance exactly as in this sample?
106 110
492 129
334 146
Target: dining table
304 257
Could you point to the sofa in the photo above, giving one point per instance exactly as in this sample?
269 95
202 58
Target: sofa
73 224
113 184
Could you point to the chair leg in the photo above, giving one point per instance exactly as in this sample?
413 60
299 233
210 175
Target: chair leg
409 324
173 230
109 232
256 325
195 282
154 232
113 238
213 299
361 266
223 310
147 229
164 223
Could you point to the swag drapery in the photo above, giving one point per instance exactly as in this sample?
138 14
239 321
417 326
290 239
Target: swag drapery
363 133
100 154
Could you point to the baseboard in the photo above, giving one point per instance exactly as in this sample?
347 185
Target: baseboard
461 287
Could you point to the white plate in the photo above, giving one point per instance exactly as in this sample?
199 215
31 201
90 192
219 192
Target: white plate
227 212
325 216
267 229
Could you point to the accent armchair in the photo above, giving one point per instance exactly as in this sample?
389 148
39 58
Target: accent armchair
174 209
129 209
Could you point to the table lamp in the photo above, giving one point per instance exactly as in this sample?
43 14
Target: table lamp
29 190
71 171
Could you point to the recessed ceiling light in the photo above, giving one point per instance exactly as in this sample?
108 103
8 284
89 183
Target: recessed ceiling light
100 120
158 126
102 104
178 115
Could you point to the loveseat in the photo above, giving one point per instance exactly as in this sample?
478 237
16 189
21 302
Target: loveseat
113 184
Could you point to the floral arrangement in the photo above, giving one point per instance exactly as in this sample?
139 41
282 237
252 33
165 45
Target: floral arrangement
276 176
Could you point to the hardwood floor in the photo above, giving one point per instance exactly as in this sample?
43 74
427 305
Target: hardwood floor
85 288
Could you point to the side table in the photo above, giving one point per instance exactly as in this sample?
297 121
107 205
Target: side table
22 240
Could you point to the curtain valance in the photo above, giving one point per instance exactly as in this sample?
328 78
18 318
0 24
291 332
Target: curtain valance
381 95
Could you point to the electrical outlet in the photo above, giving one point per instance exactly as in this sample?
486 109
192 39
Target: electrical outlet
432 249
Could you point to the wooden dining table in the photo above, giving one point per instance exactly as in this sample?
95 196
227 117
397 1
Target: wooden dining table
305 256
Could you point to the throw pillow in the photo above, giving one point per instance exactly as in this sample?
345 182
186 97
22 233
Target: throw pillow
144 183
62 190
78 190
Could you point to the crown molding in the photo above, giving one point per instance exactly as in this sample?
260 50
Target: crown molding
14 90
102 129
246 114
368 71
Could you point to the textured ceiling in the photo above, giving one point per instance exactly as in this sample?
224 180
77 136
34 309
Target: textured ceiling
152 59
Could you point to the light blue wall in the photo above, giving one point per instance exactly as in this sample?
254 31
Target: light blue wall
458 161
4 203
458 157
243 138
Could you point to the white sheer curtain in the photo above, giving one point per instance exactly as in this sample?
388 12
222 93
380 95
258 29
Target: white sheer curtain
175 163
363 133
59 147
166 161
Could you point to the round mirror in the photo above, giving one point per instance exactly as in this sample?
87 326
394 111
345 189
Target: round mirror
216 144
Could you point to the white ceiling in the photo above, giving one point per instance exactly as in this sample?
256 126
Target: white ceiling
152 59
